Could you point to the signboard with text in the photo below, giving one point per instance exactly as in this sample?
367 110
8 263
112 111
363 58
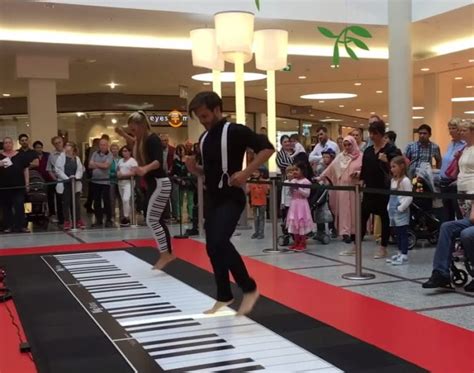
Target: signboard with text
174 119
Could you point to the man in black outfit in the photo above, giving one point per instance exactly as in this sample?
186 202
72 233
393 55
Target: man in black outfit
375 173
225 197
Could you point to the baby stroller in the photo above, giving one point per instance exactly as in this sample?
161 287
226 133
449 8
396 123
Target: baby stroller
460 276
37 196
319 204
423 222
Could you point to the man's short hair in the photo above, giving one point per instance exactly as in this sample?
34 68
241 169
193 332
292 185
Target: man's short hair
22 136
295 137
54 138
392 136
105 137
425 127
377 127
37 142
209 99
322 128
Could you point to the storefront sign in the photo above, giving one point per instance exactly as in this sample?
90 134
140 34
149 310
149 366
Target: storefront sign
173 119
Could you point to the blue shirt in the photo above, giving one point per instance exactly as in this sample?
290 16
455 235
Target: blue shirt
453 148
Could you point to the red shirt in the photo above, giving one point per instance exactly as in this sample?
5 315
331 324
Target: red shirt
258 194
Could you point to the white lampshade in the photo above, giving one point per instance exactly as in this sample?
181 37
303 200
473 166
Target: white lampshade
204 49
234 34
271 49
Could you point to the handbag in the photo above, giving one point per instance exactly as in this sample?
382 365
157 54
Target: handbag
453 169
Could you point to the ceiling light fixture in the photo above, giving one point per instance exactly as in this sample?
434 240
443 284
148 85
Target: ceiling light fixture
378 91
385 115
341 106
417 117
228 77
418 107
112 85
6 94
358 109
458 78
469 112
372 112
311 115
471 61
321 101
357 83
328 96
469 86
206 83
302 77
330 120
454 46
114 121
425 69
80 114
462 99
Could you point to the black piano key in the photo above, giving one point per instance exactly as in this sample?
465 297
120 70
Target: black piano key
91 268
243 369
123 296
98 261
149 314
164 327
182 339
186 345
211 365
106 270
111 284
108 277
129 299
143 310
192 352
118 289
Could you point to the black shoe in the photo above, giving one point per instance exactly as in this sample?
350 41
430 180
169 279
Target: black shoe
125 222
470 287
191 232
347 239
437 280
109 224
96 225
253 236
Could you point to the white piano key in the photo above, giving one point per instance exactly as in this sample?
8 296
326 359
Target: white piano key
232 367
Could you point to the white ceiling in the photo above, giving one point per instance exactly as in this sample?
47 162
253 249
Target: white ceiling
161 71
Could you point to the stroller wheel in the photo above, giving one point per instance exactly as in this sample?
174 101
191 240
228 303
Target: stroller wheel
411 239
325 239
434 238
459 277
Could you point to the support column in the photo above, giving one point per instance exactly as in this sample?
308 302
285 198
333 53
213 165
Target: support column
42 110
195 128
42 73
438 107
400 75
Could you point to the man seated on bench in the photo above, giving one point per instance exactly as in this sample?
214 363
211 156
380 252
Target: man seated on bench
449 232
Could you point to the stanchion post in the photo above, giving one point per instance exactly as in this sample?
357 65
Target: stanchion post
274 217
132 203
358 275
180 209
200 190
73 204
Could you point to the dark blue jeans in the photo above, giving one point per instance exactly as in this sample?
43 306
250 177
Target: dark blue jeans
447 235
467 241
402 238
221 220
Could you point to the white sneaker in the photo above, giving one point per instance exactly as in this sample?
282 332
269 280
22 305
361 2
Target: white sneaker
347 253
393 257
402 259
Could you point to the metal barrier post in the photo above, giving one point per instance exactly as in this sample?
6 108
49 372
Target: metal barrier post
73 215
200 190
274 216
358 275
132 204
180 209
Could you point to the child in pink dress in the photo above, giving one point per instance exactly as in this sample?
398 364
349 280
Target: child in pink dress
299 220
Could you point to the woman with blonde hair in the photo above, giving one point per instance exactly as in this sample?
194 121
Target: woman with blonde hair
148 152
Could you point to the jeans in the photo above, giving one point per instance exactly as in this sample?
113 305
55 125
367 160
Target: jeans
259 219
188 200
467 241
13 202
448 233
101 195
402 238
221 220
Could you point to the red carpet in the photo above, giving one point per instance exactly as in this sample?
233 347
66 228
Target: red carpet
429 343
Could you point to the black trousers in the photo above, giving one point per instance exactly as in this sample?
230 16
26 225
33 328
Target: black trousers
101 195
13 204
377 205
221 220
451 206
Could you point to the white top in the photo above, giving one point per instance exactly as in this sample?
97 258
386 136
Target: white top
405 186
316 155
125 167
466 171
298 149
286 195
59 171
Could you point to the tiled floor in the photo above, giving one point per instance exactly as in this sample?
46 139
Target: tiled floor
400 285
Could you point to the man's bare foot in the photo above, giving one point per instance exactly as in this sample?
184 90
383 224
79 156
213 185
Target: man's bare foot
248 301
217 306
165 259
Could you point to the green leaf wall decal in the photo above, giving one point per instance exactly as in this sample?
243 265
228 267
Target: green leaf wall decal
344 39
257 4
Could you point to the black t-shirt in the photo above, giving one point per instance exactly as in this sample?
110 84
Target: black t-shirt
239 138
30 154
376 173
15 174
154 152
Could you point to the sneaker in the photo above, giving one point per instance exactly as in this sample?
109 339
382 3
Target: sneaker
8 230
380 253
347 253
470 287
80 224
67 225
253 236
299 249
347 239
437 280
260 237
109 224
54 219
393 257
96 225
192 232
401 259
